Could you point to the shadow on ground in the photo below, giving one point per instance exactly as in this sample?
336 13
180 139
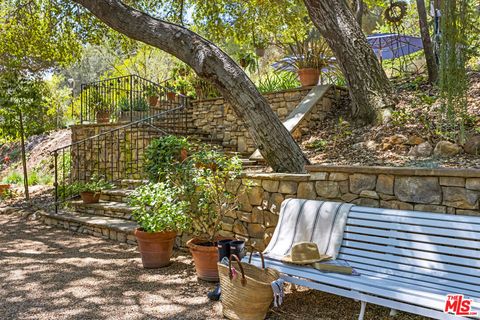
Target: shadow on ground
48 273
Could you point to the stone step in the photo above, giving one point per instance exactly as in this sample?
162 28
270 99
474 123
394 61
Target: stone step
120 230
119 210
117 195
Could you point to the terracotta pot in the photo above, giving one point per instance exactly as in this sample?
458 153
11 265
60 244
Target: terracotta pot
103 116
171 96
205 256
4 188
90 197
152 100
155 248
183 154
308 76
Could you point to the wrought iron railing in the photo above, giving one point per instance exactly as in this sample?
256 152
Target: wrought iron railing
114 154
125 99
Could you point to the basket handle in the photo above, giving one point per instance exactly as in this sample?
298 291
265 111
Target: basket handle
230 273
261 256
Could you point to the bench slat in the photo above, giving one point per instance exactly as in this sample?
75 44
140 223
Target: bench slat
413 245
420 255
419 214
428 282
363 284
463 226
413 237
389 267
414 229
412 261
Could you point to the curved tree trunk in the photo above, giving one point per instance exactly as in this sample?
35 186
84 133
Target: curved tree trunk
427 42
273 140
369 87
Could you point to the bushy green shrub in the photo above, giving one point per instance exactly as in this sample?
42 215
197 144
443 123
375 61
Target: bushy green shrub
96 184
158 207
163 155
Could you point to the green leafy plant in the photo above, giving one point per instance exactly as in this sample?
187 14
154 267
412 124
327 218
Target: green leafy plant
137 104
95 184
310 52
13 177
163 155
278 82
318 145
158 207
211 199
151 90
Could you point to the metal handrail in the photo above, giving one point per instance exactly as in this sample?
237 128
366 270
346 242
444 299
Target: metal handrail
110 154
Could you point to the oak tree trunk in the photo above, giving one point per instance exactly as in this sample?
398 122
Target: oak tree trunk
210 63
369 87
432 67
358 10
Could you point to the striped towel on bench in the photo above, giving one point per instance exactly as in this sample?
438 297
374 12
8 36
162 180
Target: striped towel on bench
322 222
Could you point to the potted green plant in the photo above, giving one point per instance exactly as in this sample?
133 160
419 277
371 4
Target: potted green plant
160 214
308 57
125 109
90 191
210 202
152 93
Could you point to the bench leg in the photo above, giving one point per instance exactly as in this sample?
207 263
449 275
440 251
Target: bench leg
393 312
363 305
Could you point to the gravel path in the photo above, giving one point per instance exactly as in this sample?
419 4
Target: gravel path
48 273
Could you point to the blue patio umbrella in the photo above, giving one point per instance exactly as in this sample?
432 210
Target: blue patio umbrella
390 45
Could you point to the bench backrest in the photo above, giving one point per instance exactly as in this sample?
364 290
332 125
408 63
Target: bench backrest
440 250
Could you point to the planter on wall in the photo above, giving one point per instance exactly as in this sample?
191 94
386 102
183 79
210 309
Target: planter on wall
103 116
90 197
155 248
308 76
153 101
171 96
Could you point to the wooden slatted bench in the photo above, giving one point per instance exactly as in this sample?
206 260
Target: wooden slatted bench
407 260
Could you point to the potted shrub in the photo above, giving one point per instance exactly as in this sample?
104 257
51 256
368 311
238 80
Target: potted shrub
125 109
90 191
140 109
308 57
210 202
160 214
102 112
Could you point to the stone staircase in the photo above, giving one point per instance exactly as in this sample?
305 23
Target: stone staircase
108 219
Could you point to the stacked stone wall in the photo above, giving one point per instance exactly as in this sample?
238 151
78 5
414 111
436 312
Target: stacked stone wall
452 191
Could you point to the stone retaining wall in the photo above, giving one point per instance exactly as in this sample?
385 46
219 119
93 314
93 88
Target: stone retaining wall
216 118
454 191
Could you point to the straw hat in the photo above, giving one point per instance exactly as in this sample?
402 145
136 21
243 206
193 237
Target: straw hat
305 253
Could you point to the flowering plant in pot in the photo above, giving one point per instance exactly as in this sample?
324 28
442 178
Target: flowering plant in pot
90 191
160 213
210 201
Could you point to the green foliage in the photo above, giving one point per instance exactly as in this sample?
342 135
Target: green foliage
28 96
95 184
138 104
453 77
401 117
14 177
158 207
278 82
318 145
163 155
311 51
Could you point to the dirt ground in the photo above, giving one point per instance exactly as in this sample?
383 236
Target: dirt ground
48 273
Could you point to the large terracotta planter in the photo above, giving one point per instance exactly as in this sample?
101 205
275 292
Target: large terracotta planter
153 101
90 197
155 248
103 116
308 76
171 96
205 256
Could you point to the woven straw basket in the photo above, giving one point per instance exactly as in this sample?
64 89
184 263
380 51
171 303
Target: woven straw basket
248 295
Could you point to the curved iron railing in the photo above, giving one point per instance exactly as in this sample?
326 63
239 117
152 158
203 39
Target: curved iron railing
125 99
114 154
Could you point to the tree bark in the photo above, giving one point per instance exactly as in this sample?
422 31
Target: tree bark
432 67
210 63
24 157
369 87
358 7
